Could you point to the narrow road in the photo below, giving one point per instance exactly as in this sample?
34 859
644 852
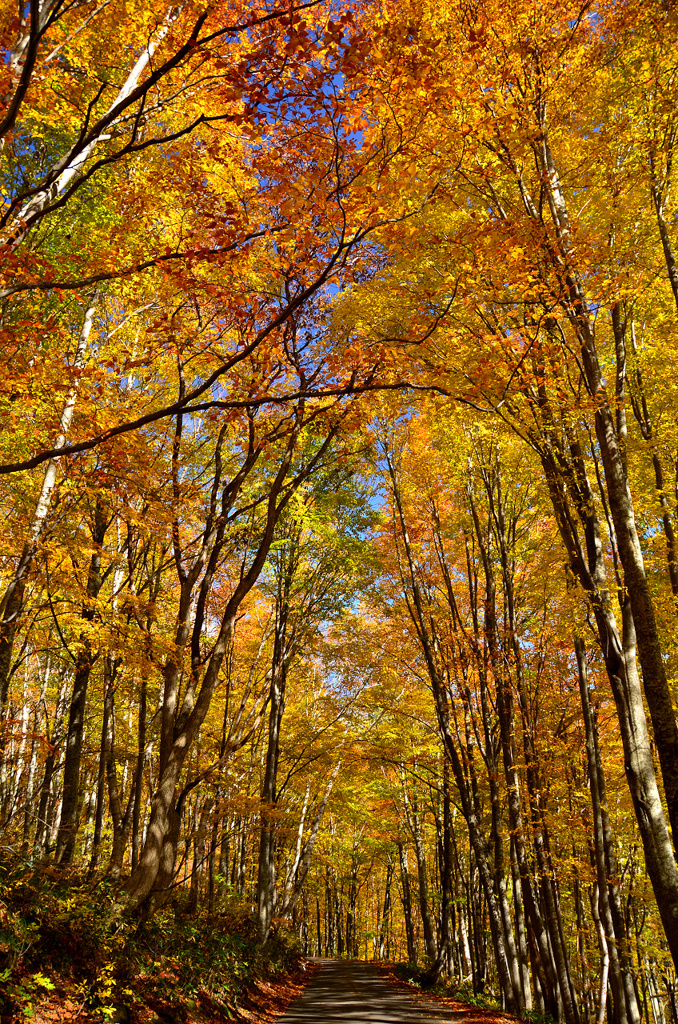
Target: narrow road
345 990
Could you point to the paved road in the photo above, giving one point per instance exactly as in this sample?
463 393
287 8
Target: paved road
345 990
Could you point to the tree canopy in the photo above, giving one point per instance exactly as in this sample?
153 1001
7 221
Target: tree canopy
339 481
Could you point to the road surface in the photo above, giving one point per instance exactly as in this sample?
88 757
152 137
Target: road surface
345 990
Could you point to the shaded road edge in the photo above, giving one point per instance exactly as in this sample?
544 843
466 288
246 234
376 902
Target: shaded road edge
269 1000
454 1009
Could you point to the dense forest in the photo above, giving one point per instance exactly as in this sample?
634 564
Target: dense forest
339 490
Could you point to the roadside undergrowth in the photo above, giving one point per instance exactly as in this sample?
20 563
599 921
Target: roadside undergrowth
64 955
450 993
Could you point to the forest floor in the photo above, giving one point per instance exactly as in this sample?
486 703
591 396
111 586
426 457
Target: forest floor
67 956
262 1002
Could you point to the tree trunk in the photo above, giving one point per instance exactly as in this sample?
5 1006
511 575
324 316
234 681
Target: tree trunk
513 998
11 605
41 839
266 877
587 565
70 804
302 861
139 769
444 950
121 821
100 793
610 431
626 1006
407 905
427 924
383 930
179 728
199 856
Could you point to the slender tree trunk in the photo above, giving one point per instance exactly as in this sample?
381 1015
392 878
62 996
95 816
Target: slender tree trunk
46 795
610 428
211 863
604 952
407 905
121 821
626 1006
318 928
512 997
70 805
302 861
33 762
383 930
156 862
139 769
659 201
225 852
492 641
619 654
519 906
539 944
199 856
266 877
11 604
100 794
424 909
179 729
444 950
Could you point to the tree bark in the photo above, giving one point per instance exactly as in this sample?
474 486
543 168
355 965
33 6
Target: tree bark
385 916
139 769
415 829
266 874
100 794
12 602
406 896
623 992
68 826
587 565
121 821
610 432
199 842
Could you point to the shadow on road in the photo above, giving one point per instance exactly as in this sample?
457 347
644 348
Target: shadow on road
344 990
